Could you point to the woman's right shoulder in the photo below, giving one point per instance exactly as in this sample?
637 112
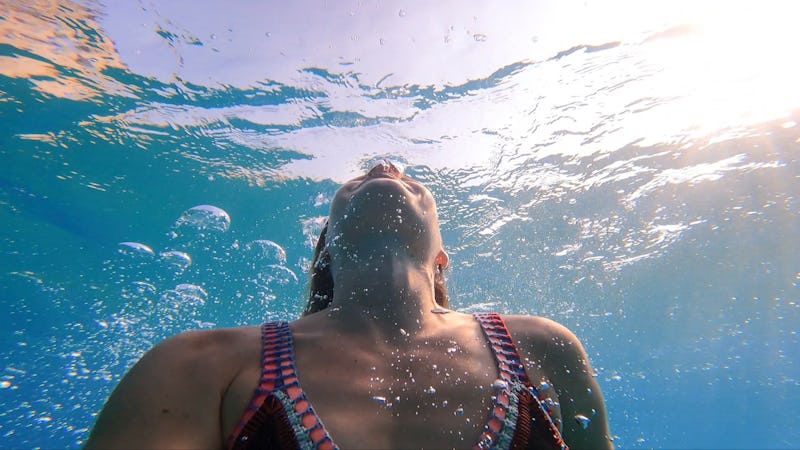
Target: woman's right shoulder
171 396
214 352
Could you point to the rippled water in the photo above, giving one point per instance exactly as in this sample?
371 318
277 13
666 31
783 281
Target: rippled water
629 171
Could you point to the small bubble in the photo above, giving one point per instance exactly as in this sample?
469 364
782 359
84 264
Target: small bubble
403 332
401 13
5 384
135 249
544 386
499 384
582 420
459 411
379 399
479 37
431 390
451 350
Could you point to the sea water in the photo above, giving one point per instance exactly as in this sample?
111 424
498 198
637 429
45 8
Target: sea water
167 167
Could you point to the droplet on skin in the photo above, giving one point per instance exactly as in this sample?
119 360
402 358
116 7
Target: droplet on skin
431 390
440 311
582 420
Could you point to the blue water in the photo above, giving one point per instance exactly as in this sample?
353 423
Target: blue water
167 167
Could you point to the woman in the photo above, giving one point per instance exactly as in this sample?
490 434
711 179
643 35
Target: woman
382 364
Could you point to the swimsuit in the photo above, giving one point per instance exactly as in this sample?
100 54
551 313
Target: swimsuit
280 416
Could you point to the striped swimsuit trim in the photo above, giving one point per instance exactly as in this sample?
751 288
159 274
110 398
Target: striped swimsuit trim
280 415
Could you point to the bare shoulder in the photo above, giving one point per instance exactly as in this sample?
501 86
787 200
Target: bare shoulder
171 397
538 329
559 354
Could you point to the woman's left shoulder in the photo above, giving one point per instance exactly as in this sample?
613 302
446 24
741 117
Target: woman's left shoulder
538 331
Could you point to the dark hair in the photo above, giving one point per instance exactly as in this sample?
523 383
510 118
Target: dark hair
320 293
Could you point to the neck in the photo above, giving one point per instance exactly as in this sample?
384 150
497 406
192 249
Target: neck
392 299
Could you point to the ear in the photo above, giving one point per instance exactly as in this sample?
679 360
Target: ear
442 260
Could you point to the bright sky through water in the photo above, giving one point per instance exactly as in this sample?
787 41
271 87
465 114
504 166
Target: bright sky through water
722 65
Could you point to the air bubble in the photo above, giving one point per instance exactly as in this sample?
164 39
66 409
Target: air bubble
185 295
275 273
266 250
431 390
204 218
499 384
135 249
175 260
582 420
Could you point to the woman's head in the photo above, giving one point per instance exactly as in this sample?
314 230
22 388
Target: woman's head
381 211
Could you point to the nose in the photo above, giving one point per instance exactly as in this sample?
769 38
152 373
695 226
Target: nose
384 168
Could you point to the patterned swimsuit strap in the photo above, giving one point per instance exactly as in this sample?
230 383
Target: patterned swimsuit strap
279 375
279 380
513 380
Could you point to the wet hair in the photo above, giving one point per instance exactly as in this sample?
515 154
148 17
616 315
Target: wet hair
320 294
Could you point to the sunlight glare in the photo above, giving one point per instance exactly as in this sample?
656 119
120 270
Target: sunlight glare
734 68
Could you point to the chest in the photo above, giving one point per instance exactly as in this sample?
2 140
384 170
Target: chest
435 395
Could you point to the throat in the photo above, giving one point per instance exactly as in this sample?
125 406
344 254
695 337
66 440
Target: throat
395 300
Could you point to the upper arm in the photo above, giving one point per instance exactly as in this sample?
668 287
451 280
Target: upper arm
582 405
565 362
169 399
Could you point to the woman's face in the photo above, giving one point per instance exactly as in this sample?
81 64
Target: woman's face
383 210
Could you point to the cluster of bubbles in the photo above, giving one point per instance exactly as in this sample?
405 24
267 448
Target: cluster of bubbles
202 278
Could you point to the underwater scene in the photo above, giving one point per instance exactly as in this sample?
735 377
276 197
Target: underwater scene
629 169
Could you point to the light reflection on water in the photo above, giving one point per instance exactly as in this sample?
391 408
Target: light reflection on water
636 183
